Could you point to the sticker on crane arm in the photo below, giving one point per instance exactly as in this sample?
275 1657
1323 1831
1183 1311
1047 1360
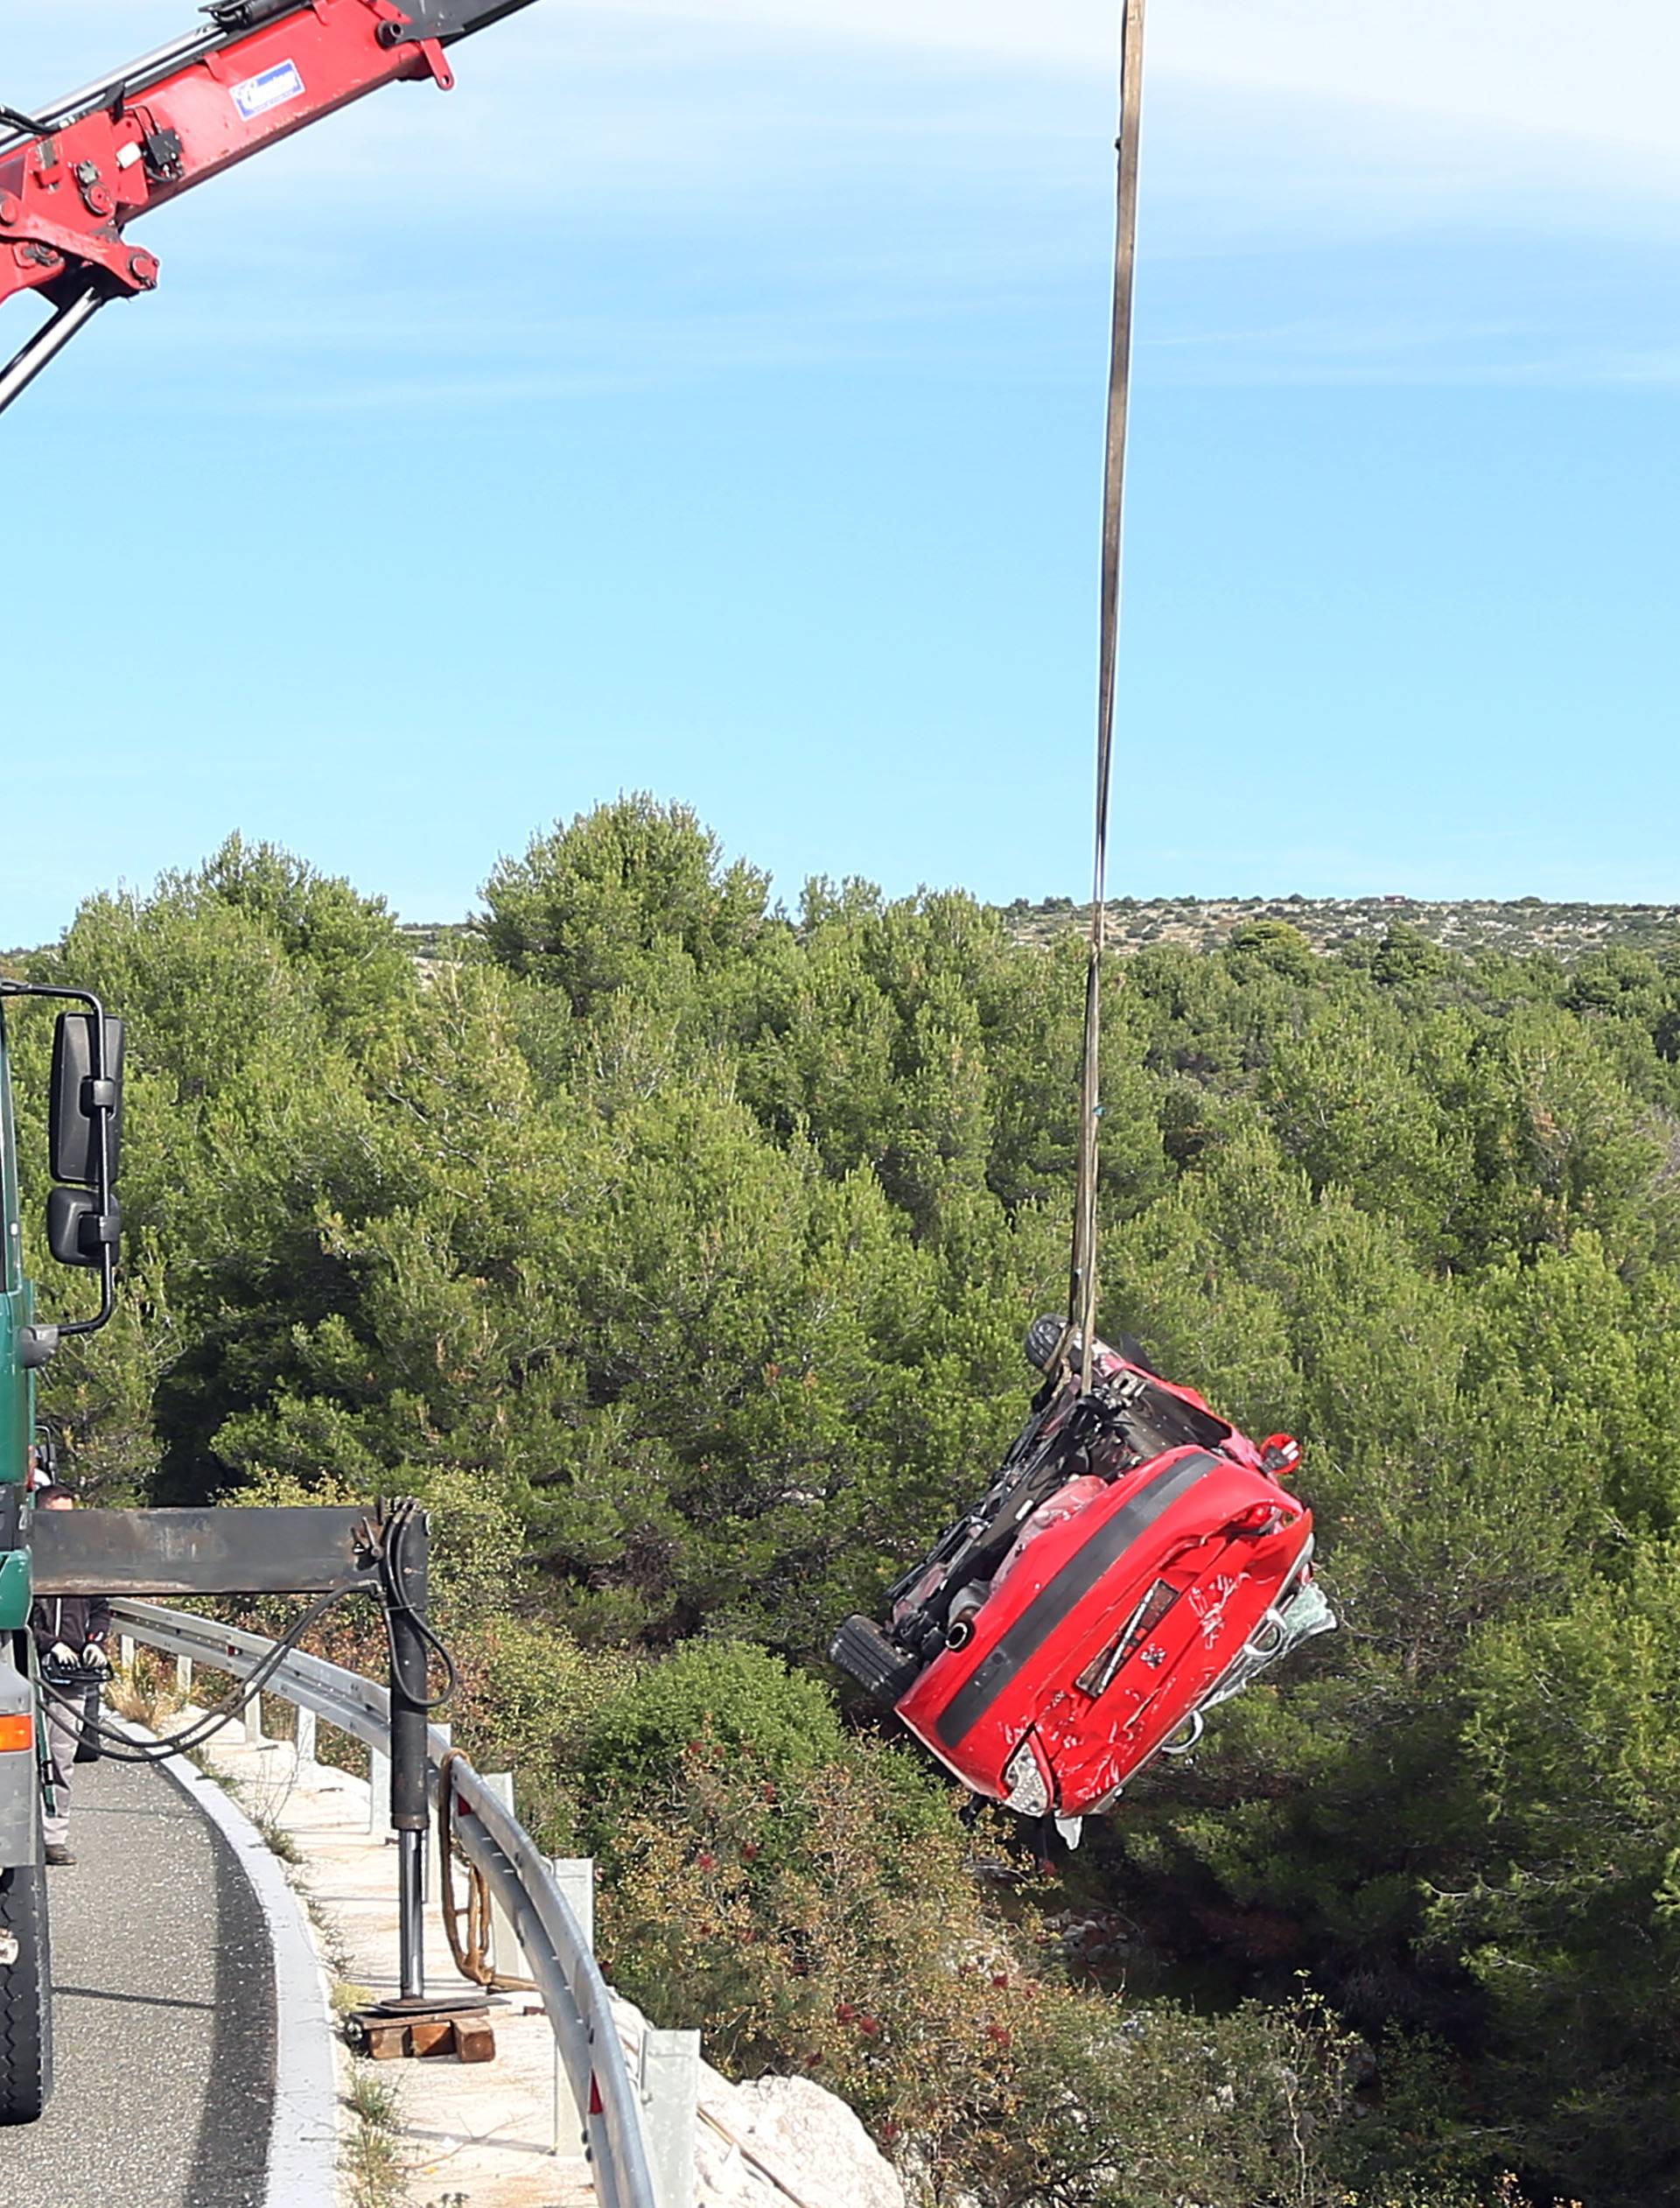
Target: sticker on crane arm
269 88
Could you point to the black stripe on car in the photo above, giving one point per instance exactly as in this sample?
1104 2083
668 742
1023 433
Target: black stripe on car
1071 1585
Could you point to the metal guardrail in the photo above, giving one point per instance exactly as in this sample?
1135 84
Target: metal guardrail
556 1951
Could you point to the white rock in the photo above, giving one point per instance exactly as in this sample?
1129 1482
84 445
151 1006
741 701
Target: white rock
790 2130
776 2142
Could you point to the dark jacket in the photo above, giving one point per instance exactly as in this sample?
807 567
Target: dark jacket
75 1619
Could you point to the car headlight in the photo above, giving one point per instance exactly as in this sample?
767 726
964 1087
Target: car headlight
1028 1793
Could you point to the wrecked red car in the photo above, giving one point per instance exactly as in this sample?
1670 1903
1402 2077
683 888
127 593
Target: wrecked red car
1136 1561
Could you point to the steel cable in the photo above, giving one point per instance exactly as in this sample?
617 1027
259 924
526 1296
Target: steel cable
1082 1278
122 1750
470 1951
392 1583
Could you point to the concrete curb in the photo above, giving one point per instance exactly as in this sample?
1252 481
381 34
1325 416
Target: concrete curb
303 2128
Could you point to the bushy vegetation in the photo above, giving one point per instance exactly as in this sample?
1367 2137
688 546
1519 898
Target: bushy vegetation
678 1253
1470 925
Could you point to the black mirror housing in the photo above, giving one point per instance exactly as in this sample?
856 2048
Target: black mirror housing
84 1221
77 1231
76 1101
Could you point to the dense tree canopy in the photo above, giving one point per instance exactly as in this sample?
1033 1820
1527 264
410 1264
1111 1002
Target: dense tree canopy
678 1250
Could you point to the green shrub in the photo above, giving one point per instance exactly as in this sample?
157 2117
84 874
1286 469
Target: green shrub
827 1922
727 1695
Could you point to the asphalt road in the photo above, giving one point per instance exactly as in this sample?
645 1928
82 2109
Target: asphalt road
163 2038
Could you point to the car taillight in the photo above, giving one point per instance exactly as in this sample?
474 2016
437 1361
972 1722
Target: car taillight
1029 1792
1101 1670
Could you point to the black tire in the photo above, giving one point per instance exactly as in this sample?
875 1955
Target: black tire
881 1670
1044 1339
26 1997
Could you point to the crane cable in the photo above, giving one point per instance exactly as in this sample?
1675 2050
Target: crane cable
466 1926
1083 1280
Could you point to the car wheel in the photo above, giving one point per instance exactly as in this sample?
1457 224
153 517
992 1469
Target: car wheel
882 1671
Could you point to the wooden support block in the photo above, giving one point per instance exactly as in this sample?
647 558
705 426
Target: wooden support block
469 2037
475 2041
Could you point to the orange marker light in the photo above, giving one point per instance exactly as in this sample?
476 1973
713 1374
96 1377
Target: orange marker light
17 1732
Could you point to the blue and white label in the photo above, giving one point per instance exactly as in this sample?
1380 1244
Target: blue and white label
270 89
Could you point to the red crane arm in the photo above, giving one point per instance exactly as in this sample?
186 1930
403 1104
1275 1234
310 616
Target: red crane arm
71 181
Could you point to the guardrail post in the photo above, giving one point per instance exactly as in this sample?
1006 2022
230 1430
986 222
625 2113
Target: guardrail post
448 1732
575 1876
125 1651
670 2101
184 1678
379 1792
305 1736
254 1722
505 1953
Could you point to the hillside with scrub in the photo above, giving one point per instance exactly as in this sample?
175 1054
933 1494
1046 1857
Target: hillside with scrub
1471 925
678 1253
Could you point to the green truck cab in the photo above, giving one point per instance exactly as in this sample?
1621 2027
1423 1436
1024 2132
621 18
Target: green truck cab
83 1227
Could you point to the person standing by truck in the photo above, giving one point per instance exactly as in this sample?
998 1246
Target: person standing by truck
70 1631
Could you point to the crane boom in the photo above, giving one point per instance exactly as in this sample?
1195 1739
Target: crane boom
73 178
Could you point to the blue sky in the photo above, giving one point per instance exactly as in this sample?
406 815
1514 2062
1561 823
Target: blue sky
707 398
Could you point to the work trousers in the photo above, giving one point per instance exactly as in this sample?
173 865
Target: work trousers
63 1735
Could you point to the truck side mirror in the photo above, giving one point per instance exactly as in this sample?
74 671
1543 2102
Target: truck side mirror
77 1231
78 1102
84 1221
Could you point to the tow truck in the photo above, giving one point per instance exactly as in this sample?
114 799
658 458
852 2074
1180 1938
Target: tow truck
74 176
1136 1560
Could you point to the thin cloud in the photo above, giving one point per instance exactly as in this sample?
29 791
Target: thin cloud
1521 66
764 138
1510 92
